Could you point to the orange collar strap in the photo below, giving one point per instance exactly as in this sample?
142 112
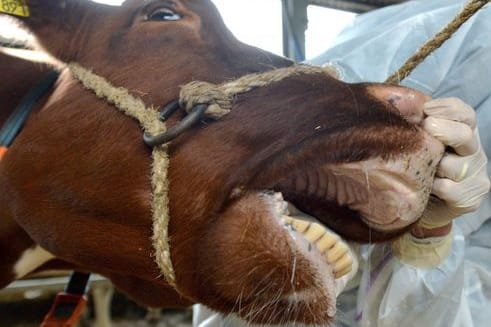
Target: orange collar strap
3 150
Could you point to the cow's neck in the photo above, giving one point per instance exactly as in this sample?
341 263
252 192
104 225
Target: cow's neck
150 122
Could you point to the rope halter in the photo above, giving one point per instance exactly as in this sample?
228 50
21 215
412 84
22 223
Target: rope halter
150 122
214 100
219 97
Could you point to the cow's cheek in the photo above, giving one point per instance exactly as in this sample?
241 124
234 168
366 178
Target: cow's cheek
250 256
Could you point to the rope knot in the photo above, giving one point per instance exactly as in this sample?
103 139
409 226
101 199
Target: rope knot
198 92
219 98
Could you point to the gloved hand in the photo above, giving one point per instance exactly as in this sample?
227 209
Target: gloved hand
461 179
461 182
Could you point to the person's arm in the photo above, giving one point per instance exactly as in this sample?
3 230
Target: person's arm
460 184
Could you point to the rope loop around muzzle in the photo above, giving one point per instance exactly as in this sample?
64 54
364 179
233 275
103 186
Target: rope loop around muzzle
220 97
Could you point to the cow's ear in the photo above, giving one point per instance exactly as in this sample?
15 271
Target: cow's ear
56 24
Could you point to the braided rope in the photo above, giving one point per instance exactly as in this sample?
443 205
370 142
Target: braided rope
436 42
150 122
219 97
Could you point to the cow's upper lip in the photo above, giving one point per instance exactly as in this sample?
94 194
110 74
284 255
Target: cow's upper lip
383 199
388 194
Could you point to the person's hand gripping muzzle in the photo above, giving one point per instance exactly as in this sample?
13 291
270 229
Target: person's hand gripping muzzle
460 184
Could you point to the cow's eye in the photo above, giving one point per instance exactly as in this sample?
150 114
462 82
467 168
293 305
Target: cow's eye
164 14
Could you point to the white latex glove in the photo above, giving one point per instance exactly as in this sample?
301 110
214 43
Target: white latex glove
461 181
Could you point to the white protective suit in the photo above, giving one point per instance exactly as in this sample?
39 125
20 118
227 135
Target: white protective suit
386 292
458 292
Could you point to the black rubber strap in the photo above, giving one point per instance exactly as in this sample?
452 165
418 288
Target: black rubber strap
14 123
78 283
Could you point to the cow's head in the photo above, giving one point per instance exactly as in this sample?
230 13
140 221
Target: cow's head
352 155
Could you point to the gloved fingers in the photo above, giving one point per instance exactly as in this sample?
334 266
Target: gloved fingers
457 135
455 198
457 168
462 197
451 109
437 214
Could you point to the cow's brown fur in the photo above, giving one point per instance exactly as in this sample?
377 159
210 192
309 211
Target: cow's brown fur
76 179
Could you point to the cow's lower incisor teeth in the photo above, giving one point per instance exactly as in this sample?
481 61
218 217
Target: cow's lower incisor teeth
335 251
313 233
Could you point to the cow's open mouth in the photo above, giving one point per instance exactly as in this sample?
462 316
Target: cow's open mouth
321 257
387 194
382 193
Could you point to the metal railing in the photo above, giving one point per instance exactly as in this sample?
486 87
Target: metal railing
359 6
41 287
295 19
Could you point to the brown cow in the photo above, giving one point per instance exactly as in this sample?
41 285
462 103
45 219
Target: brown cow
75 184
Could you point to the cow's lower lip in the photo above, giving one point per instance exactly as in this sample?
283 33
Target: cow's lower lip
312 298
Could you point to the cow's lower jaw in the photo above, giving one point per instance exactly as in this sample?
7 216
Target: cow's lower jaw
326 255
273 266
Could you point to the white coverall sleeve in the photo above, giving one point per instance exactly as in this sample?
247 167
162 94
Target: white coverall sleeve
460 183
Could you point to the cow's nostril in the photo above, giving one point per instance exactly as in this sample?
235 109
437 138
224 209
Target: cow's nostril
407 101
